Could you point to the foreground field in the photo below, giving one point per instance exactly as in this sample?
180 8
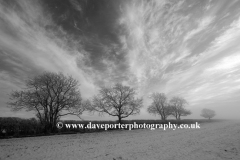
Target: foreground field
214 141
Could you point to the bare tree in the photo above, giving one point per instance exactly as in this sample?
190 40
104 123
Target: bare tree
178 107
117 101
160 106
51 96
208 113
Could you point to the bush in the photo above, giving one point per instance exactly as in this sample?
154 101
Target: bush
17 127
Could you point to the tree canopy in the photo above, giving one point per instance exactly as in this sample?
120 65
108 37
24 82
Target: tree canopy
50 95
162 106
208 113
159 106
178 107
117 101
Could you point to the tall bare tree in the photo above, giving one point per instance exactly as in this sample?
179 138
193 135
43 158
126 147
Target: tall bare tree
160 106
51 96
178 107
208 113
117 101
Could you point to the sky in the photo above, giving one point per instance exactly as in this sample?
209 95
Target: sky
186 48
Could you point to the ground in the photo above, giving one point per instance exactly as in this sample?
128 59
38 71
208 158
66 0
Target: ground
213 141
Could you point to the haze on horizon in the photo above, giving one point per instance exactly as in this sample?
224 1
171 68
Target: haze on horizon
184 48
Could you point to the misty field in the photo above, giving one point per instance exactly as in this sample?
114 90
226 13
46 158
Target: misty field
217 140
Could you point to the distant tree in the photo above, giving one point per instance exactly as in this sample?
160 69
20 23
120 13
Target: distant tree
117 101
208 113
178 107
160 106
51 96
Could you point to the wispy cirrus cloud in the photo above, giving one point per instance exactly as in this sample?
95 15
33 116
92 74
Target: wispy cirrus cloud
216 75
163 41
150 29
201 25
29 35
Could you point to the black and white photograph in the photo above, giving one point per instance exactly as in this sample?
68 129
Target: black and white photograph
119 79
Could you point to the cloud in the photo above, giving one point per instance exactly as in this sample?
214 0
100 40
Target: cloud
160 39
76 5
227 63
202 24
150 29
213 79
25 35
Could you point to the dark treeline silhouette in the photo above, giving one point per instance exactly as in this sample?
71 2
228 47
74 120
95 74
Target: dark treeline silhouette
13 126
17 127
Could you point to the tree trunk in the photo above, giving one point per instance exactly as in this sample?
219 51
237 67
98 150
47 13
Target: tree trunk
162 117
120 119
47 128
54 129
176 117
179 117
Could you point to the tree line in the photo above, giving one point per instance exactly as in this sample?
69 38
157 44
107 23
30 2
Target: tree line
53 95
18 127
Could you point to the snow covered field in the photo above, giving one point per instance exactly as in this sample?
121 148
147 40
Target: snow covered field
214 141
